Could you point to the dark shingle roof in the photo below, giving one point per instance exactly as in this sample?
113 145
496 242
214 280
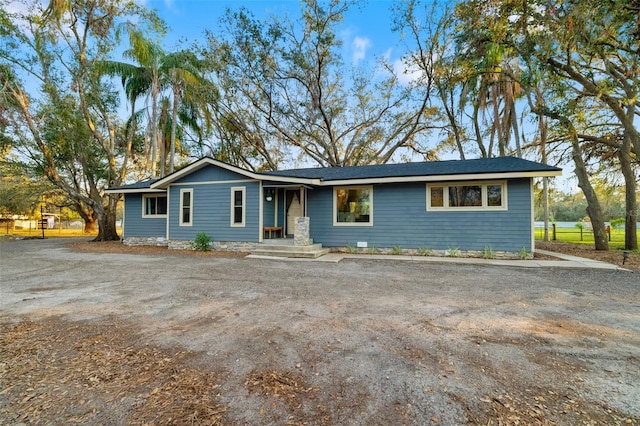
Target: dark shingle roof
145 184
404 170
429 168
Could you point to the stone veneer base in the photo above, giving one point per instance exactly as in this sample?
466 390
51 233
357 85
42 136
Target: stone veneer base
145 241
186 244
432 253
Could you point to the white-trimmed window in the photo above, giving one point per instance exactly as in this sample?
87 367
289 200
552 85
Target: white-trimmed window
186 207
461 196
238 201
353 206
154 205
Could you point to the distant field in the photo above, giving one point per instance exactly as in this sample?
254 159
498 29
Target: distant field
48 233
573 235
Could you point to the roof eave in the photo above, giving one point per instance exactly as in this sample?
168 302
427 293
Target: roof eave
442 178
132 190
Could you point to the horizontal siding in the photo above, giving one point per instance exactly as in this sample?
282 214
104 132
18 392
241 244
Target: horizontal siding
400 218
137 226
212 212
210 173
269 212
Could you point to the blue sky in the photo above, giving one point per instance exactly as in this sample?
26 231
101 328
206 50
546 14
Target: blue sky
365 32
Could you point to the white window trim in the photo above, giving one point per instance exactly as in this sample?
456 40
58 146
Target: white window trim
242 189
190 223
482 184
144 206
335 206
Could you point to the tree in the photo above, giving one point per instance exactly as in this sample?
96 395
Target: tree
285 91
586 54
20 190
474 72
593 47
63 115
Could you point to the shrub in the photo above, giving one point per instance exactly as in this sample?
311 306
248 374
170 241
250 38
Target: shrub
488 253
425 251
397 249
202 242
524 254
454 251
374 250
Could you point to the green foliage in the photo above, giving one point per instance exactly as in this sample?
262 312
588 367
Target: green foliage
201 243
488 253
422 251
524 254
572 235
351 249
618 223
580 225
397 249
374 250
454 251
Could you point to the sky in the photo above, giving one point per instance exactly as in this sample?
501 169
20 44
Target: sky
366 31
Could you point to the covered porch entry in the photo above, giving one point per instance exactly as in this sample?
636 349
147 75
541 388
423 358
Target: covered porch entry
283 209
281 206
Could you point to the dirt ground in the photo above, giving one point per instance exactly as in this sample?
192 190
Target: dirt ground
612 256
145 336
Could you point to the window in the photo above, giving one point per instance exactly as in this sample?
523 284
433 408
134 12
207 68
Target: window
465 196
353 206
154 205
468 196
186 207
237 206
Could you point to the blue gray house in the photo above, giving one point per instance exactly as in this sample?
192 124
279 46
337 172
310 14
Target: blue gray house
467 205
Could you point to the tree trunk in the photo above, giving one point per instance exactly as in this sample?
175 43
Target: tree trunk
594 210
174 119
107 221
542 124
631 216
545 206
89 224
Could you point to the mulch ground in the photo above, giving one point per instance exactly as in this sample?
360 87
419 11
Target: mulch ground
118 247
104 372
55 372
612 256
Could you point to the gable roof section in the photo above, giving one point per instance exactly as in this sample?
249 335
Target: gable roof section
208 161
429 171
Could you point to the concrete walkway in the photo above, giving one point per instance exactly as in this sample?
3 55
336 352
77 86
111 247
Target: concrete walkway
566 261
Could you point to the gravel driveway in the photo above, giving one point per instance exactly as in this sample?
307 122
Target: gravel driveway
289 342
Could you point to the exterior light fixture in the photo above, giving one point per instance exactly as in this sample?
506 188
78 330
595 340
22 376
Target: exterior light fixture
269 195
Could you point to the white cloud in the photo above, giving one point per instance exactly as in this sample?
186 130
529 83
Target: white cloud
360 46
406 75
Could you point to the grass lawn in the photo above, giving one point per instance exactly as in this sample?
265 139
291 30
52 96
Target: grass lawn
573 235
48 233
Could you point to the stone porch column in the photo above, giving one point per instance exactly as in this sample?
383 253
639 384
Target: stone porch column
301 233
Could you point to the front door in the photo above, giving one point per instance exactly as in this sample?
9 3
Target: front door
294 209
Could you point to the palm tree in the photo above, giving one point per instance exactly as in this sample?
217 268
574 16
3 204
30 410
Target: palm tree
155 72
180 71
141 79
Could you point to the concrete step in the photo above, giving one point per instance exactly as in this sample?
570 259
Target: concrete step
281 251
282 247
281 241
